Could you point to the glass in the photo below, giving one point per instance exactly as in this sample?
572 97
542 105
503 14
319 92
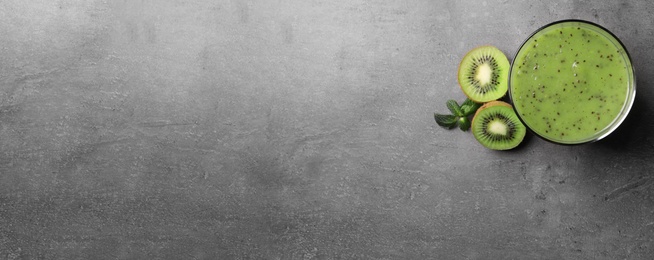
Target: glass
572 82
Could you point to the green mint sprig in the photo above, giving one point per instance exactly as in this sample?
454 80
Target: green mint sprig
460 114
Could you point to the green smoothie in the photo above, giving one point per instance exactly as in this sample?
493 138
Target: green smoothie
572 82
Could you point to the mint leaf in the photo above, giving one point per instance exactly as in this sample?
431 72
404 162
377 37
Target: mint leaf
454 108
447 121
467 102
469 107
464 123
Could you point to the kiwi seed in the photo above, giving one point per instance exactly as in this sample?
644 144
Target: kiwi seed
496 126
483 74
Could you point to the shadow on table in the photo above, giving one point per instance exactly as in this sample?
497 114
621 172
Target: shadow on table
621 158
634 134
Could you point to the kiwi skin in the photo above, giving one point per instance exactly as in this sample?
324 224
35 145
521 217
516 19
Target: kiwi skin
502 61
520 131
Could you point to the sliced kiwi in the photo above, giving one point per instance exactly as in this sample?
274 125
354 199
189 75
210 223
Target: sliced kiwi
484 73
497 127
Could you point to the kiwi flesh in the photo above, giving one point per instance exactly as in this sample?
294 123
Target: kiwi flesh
496 126
484 73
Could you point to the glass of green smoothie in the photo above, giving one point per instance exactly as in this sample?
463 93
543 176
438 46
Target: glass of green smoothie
572 82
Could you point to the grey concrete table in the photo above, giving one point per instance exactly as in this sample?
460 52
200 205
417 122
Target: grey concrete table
298 130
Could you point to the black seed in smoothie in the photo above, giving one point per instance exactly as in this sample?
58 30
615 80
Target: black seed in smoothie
610 75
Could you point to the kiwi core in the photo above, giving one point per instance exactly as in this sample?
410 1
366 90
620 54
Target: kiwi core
572 82
484 74
497 127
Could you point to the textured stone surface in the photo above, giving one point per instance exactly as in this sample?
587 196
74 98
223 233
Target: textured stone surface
297 130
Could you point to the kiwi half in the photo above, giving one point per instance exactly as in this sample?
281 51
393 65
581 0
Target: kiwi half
484 73
496 126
